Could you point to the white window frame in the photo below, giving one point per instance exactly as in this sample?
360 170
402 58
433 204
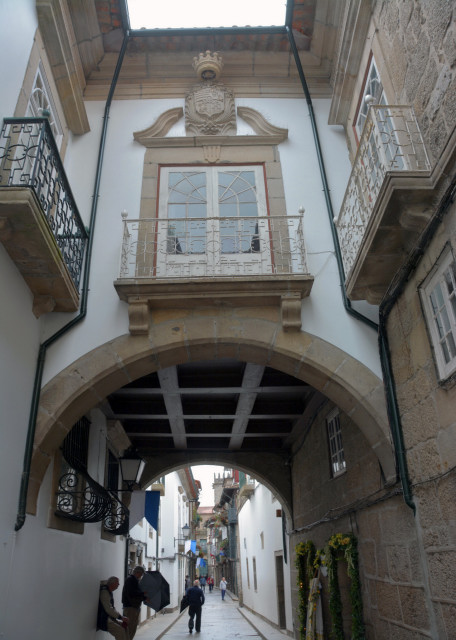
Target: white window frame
335 444
444 338
41 103
209 262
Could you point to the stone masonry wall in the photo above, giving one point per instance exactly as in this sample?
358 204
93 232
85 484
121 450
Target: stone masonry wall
418 41
429 426
392 575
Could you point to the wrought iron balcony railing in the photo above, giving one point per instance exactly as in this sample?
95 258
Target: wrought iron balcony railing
391 142
212 247
29 157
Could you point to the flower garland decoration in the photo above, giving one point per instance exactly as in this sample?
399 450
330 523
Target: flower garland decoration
305 556
346 543
309 560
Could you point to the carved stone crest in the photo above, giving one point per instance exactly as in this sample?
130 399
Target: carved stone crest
209 105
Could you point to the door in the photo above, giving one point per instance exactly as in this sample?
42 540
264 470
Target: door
212 222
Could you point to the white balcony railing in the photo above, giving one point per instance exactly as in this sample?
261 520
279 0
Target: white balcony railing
391 142
212 247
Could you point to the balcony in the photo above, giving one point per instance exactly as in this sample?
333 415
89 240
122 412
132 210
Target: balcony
387 201
234 261
40 226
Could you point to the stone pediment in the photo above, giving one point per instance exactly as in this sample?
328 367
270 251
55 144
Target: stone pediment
156 135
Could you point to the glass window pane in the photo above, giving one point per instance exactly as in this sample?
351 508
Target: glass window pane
176 211
445 319
439 326
196 210
248 209
445 352
228 209
438 296
451 344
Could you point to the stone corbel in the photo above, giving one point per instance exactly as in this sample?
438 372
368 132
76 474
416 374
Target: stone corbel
138 315
291 311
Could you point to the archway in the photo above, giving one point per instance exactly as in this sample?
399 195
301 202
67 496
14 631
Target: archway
178 337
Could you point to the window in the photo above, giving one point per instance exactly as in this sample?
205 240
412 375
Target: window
75 447
255 586
248 573
372 93
41 104
383 144
215 221
439 303
336 450
262 539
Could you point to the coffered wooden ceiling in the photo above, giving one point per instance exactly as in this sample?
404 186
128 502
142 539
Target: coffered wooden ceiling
220 405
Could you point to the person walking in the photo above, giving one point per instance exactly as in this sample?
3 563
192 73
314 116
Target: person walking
195 598
108 618
210 582
223 585
132 598
203 584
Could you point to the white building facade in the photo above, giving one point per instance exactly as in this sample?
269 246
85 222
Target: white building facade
114 132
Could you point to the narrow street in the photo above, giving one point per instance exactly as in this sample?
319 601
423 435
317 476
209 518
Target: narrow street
220 619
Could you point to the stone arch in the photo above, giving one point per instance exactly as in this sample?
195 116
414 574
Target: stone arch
178 336
274 482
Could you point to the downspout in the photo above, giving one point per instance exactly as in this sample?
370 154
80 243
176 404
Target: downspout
385 358
21 514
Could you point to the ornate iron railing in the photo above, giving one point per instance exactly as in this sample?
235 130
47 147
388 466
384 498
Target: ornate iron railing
237 246
79 496
29 157
391 142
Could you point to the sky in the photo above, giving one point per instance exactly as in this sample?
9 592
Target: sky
153 14
205 474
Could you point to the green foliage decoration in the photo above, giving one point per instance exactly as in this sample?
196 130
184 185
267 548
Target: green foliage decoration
305 556
309 560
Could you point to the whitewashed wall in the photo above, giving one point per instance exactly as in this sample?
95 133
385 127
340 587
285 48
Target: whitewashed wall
258 515
120 188
19 329
57 574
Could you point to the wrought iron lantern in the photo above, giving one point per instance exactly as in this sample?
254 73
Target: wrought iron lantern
131 468
185 534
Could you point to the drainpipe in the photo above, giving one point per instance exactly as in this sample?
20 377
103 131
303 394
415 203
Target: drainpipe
83 307
385 359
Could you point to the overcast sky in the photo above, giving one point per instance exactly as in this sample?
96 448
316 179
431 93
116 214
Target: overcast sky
205 474
153 14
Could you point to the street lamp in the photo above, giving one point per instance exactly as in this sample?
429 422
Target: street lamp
131 468
185 534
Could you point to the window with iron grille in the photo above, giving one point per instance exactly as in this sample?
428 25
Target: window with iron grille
336 449
75 449
438 295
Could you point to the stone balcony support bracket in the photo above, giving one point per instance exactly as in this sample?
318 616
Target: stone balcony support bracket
283 293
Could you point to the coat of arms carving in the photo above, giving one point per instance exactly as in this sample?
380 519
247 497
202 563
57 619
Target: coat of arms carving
209 110
209 105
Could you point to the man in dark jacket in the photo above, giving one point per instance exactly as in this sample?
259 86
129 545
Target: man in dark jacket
132 598
195 597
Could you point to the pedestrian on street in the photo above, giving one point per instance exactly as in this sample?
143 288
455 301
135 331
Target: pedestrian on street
195 597
203 584
223 585
187 583
210 582
132 598
108 618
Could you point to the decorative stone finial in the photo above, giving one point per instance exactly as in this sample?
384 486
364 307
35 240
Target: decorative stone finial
208 66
